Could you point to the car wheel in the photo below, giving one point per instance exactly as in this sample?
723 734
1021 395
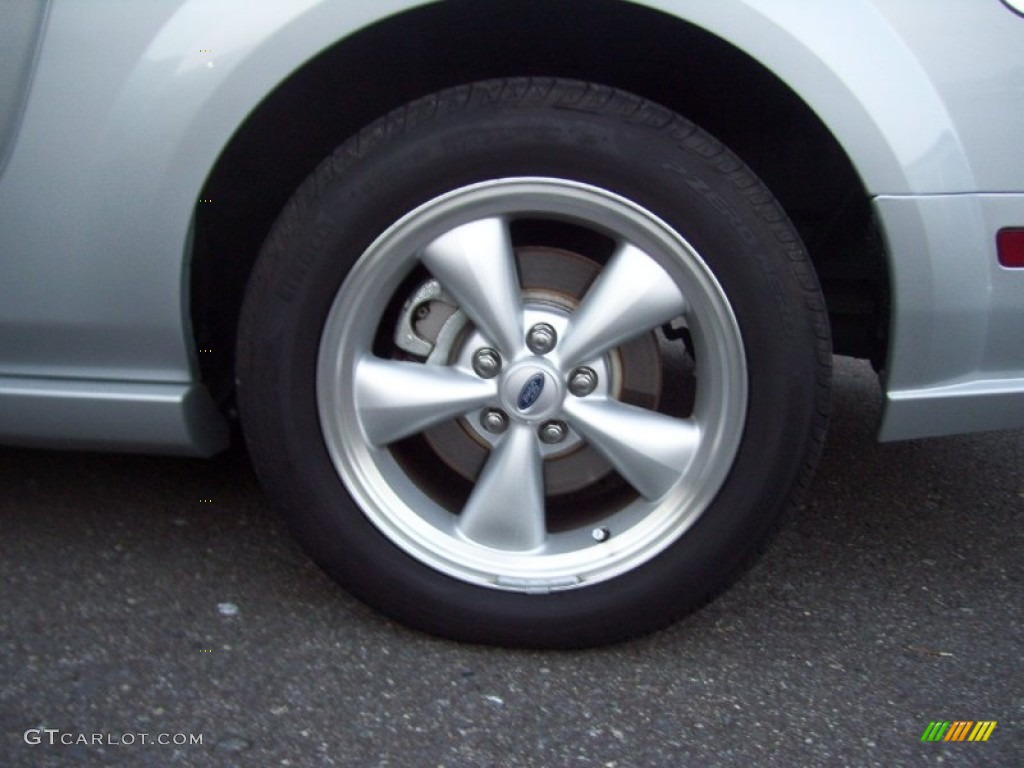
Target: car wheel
533 363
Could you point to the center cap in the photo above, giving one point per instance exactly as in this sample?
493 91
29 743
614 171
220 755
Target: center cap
531 392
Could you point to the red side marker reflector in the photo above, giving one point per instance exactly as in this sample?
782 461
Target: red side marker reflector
1010 245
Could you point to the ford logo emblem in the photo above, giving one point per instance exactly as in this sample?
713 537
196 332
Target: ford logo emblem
530 392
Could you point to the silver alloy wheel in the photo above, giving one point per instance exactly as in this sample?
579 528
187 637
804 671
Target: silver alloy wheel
500 537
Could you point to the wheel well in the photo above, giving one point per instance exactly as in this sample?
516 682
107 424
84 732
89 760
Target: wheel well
612 42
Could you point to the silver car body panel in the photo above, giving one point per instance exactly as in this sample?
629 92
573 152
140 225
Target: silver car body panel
117 139
151 418
19 43
959 369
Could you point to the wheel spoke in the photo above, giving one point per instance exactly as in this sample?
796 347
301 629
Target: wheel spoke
476 265
396 399
506 509
632 294
650 450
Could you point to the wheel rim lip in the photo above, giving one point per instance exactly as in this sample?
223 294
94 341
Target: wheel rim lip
420 526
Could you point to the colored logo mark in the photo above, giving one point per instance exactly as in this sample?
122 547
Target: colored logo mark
958 730
530 392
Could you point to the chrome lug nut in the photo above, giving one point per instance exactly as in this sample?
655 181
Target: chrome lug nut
494 421
552 432
541 339
582 381
487 363
601 534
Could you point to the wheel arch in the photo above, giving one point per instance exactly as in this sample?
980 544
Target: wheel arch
809 166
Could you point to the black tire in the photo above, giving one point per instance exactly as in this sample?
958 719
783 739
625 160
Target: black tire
623 172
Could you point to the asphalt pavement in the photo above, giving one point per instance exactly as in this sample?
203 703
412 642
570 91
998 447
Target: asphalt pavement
150 600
